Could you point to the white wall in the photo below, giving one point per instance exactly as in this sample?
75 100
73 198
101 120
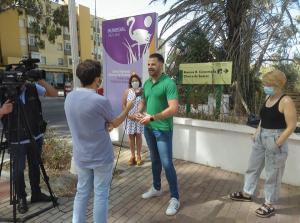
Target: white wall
223 145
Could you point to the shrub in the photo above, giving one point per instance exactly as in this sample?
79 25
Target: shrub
56 152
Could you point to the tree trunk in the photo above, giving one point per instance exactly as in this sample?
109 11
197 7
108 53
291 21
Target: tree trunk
238 47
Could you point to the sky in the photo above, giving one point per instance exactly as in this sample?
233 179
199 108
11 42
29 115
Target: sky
112 9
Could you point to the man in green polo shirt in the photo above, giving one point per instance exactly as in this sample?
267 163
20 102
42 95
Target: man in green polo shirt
160 103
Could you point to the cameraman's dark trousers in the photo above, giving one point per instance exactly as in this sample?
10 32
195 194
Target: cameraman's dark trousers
33 155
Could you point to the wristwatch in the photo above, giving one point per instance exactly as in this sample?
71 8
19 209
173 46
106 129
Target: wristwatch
151 118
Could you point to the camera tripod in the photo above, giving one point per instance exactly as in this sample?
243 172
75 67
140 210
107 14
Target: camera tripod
13 162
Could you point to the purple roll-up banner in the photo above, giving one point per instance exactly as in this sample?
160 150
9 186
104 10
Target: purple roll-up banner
127 43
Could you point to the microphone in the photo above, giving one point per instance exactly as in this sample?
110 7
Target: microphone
139 92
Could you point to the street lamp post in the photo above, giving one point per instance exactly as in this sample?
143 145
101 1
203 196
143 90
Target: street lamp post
74 53
74 41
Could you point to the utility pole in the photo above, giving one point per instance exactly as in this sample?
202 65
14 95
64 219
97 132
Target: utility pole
74 41
74 53
95 33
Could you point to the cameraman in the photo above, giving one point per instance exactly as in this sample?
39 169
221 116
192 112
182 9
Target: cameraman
19 137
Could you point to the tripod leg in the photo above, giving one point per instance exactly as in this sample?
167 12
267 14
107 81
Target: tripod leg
46 179
2 148
13 183
11 169
2 160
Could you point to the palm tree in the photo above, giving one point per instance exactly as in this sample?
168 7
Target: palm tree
250 32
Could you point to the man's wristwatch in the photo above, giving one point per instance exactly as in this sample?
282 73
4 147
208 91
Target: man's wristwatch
151 118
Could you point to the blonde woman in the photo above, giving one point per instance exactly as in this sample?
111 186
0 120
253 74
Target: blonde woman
270 149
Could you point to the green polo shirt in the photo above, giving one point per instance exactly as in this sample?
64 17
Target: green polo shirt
156 97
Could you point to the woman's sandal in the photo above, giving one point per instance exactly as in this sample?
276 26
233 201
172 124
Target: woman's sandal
139 162
265 211
132 161
239 196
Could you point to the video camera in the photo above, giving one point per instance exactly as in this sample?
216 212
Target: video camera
15 75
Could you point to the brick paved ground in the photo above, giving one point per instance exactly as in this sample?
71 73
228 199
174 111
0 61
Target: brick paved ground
203 192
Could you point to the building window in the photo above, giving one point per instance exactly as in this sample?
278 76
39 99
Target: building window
43 60
70 61
31 40
67 46
59 46
97 39
98 24
95 51
60 61
30 20
36 55
66 30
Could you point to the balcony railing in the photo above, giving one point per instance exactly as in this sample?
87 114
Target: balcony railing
96 29
33 48
67 52
66 37
30 30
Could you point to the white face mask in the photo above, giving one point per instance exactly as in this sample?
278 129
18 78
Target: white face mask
135 84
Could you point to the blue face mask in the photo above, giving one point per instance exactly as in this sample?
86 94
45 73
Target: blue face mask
269 90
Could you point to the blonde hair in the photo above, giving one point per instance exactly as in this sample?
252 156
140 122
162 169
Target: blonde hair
275 78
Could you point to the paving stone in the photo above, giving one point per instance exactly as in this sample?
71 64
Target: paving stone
203 195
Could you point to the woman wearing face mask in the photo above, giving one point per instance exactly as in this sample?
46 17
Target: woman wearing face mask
133 128
270 149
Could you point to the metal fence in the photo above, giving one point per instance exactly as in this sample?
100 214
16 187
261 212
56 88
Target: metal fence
215 102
